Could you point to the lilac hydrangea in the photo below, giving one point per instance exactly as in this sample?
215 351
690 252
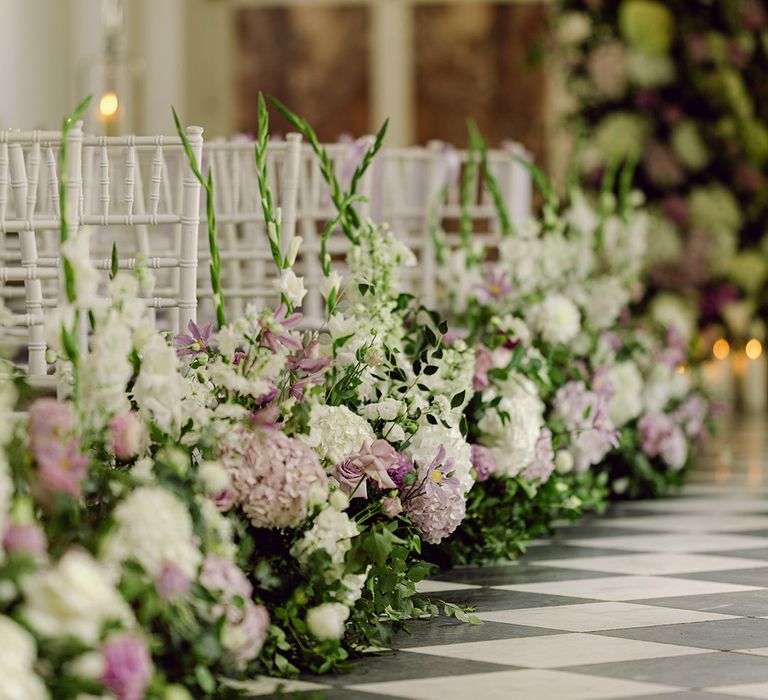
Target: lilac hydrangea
660 437
275 478
543 463
436 503
128 667
483 462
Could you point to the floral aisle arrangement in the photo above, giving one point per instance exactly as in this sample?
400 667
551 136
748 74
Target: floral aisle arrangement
236 500
679 85
571 398
251 498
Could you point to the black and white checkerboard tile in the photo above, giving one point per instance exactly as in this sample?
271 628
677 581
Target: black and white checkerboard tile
659 600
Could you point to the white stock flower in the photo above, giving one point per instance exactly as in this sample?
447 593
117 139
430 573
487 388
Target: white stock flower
160 387
557 319
605 298
291 286
326 621
220 534
73 598
336 432
330 284
387 409
77 251
214 477
627 400
427 442
154 528
19 680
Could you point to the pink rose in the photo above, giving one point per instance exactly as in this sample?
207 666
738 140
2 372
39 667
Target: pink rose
25 538
126 433
128 667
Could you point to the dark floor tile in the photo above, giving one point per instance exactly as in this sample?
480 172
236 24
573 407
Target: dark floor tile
760 554
564 551
685 695
744 577
746 603
584 531
722 635
424 633
488 599
696 671
398 666
506 575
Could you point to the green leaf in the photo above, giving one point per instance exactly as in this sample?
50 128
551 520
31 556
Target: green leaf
205 679
458 399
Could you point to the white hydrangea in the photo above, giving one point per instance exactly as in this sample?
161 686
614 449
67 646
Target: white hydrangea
160 388
326 621
427 441
332 531
336 432
557 319
73 598
20 682
513 440
154 528
627 400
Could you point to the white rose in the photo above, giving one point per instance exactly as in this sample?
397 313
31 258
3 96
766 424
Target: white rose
563 462
627 400
214 476
291 286
326 621
386 409
19 653
74 598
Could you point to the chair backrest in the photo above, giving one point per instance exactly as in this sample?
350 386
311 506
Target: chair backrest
248 269
138 193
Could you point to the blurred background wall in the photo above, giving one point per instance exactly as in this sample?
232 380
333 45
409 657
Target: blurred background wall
343 64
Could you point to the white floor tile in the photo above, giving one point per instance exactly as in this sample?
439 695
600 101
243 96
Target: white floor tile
593 617
430 586
620 588
694 522
269 686
678 542
762 651
516 685
652 564
749 690
557 650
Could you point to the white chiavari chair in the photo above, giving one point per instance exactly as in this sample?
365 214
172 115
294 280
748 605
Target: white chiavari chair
138 193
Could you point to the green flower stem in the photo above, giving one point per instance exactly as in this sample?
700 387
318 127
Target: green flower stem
490 179
210 210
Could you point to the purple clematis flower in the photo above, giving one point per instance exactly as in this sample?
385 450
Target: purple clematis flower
194 343
496 287
309 366
274 330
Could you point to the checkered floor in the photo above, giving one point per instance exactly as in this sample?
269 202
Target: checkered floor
659 599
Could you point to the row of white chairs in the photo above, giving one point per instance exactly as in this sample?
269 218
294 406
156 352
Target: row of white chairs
140 195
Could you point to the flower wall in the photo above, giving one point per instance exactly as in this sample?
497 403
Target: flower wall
679 87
